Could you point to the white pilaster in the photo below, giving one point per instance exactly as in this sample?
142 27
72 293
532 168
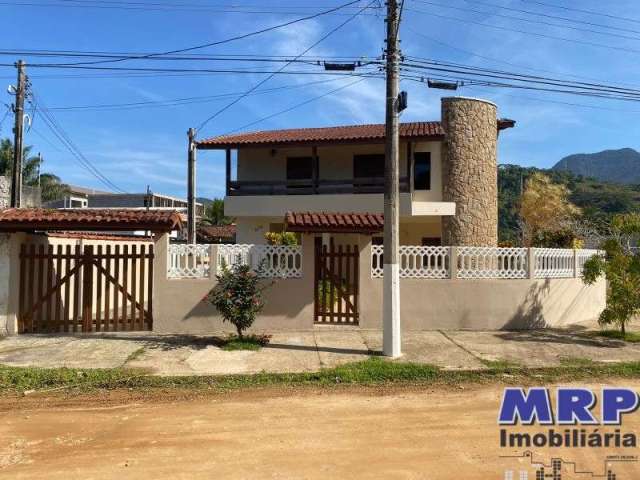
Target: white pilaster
391 308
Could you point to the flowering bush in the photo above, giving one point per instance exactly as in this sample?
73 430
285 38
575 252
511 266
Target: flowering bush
237 296
281 238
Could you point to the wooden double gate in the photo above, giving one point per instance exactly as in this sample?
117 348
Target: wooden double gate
73 288
336 283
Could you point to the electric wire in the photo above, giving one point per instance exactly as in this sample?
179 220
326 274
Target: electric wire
270 76
234 38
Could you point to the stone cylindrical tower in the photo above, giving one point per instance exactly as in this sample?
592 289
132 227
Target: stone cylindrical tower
469 171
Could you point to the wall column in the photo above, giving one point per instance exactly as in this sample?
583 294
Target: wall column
469 172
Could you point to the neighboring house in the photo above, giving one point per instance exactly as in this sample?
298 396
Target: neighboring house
80 197
216 234
448 179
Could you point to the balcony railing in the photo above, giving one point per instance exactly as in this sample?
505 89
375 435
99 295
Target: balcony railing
311 187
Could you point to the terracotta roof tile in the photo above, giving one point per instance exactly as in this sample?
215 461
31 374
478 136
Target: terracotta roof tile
213 233
88 219
347 133
337 222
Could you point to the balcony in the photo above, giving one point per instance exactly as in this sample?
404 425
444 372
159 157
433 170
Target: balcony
311 187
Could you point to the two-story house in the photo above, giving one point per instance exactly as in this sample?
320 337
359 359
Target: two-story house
282 179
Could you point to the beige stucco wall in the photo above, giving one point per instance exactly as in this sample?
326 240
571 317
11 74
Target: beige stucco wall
336 162
481 304
9 281
178 306
426 304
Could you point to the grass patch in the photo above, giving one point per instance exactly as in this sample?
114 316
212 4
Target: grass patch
373 371
576 362
631 337
248 342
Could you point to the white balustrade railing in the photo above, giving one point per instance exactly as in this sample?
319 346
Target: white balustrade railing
484 262
491 262
554 263
584 255
270 261
188 261
415 262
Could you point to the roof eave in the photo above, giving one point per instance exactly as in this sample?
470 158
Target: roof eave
303 143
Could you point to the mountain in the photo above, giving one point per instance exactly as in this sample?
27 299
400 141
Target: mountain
619 166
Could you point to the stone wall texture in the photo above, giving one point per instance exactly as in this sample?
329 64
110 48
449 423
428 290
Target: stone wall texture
469 172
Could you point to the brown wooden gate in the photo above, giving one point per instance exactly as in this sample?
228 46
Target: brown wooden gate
85 289
336 283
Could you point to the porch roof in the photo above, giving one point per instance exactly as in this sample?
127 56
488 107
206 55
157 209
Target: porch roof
336 222
88 219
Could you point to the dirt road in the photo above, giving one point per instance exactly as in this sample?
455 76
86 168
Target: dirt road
442 434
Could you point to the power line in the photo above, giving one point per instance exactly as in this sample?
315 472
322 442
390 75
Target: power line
546 100
525 32
181 70
270 76
589 12
234 38
547 15
185 100
529 20
298 105
55 128
501 74
166 7
195 57
504 62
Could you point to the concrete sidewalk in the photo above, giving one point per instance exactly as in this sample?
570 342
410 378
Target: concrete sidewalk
307 351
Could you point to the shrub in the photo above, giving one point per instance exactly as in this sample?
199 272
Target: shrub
237 296
621 268
281 238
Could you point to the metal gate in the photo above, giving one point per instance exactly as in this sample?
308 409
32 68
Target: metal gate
85 289
336 283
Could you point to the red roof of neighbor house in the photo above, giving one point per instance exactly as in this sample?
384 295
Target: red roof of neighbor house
215 232
16 219
340 222
341 134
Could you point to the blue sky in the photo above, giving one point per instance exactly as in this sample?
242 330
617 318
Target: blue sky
136 147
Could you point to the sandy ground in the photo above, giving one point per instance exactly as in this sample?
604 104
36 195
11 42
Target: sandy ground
449 433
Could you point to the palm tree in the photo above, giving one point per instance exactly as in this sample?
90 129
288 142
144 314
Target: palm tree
51 186
30 164
214 214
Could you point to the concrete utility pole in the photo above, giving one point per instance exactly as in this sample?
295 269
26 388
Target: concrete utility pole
391 283
18 108
191 188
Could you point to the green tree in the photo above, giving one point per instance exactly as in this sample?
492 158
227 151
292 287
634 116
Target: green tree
621 268
214 214
30 163
51 186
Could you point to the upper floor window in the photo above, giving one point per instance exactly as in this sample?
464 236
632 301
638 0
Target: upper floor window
299 168
368 166
422 171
